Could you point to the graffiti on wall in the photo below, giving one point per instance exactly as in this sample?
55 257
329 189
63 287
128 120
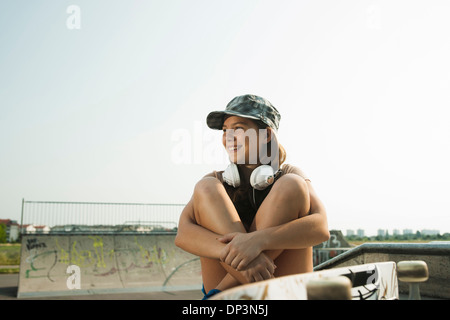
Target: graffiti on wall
98 256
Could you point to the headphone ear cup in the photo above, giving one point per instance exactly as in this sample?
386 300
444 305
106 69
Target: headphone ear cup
231 176
262 177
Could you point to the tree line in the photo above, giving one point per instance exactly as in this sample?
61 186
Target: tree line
418 236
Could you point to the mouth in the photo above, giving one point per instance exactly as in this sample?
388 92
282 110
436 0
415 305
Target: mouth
232 149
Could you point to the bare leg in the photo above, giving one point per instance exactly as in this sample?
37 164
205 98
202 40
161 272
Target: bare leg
214 210
288 200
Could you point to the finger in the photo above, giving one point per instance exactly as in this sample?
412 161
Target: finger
258 277
266 274
272 268
227 238
224 253
236 262
230 257
242 265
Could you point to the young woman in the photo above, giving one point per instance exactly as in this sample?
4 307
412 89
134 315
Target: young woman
259 218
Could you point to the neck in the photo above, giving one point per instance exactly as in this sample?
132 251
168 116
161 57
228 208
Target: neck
246 170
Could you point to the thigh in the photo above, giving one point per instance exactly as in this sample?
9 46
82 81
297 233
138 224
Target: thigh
287 200
213 208
294 261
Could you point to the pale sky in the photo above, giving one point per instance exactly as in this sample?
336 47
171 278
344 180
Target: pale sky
100 113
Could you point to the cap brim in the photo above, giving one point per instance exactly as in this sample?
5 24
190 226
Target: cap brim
215 119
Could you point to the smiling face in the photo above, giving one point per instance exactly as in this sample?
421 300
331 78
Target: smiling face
242 139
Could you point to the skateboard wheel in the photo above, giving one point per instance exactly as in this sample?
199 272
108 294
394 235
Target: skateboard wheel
412 271
335 288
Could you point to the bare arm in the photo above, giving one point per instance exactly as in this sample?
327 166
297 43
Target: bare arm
194 238
307 231
202 242
304 232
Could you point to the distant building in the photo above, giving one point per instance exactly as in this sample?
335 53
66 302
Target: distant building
407 231
427 232
381 232
350 233
36 229
360 233
12 229
396 232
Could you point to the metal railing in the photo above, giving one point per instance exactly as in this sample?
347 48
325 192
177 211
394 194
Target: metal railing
88 217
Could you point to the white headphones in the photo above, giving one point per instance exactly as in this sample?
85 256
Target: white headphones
262 177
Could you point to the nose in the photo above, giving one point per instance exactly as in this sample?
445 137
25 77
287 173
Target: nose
229 135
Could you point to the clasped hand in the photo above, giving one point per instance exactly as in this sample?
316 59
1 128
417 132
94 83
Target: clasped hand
243 252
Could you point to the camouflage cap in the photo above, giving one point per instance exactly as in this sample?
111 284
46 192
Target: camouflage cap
247 106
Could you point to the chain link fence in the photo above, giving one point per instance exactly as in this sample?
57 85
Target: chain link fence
98 217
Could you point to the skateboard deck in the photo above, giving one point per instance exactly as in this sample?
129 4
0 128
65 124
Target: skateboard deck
374 281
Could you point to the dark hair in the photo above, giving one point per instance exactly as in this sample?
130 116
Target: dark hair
281 150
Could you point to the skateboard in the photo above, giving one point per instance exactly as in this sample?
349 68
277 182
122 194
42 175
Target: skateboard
374 281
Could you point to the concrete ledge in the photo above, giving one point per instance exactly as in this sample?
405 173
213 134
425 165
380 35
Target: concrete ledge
59 265
436 255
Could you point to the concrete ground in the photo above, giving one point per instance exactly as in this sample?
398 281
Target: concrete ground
9 286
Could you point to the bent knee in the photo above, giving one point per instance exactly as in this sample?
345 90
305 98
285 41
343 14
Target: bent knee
207 186
293 189
292 185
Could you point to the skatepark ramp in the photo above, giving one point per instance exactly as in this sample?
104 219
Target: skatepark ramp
435 254
56 265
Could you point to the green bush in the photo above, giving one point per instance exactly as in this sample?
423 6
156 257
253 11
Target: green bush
2 233
9 254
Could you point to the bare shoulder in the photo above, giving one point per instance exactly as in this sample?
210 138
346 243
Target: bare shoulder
208 181
290 169
214 174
